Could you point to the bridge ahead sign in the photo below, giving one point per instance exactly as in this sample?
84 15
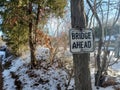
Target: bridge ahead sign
81 41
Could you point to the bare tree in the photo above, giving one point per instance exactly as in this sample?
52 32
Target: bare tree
102 64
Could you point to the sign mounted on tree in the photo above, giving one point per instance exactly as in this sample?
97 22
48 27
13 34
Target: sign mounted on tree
81 41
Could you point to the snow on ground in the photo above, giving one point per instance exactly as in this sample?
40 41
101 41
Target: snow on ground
116 67
46 78
19 75
2 54
42 53
92 80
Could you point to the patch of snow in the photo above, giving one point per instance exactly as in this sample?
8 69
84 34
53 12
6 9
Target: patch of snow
42 53
8 81
16 64
2 54
111 38
108 88
116 66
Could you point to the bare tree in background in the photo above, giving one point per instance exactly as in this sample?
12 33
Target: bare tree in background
96 7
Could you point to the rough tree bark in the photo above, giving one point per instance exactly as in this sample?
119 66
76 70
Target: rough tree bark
81 61
31 44
1 79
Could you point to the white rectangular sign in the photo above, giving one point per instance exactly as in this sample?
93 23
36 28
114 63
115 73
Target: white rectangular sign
81 41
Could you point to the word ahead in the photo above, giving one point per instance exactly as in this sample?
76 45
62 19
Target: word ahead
81 41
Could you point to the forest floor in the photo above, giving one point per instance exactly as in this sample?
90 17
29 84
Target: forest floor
19 76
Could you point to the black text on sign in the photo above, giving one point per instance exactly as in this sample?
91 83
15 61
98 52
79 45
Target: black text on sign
81 41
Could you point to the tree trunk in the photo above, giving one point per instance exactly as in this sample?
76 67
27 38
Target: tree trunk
36 24
1 80
31 44
99 71
81 61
